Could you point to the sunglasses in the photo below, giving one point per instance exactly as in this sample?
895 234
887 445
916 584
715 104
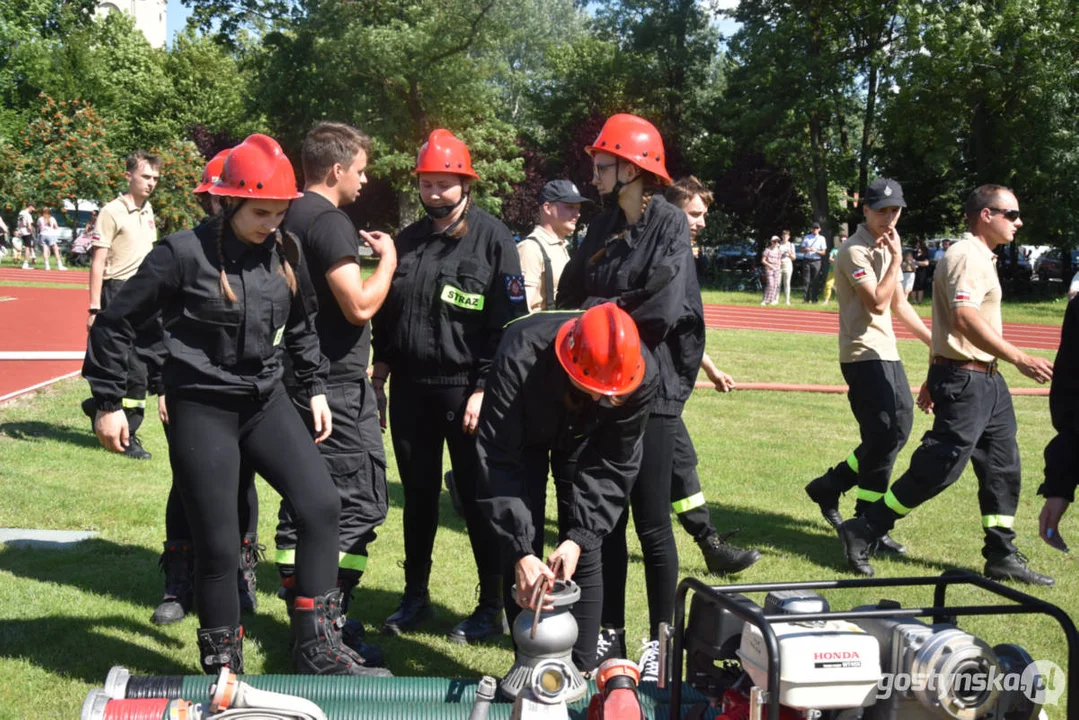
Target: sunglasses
1009 215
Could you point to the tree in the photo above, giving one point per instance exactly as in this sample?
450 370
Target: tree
60 155
175 207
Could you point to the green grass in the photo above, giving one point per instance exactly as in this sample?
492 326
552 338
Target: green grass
67 616
1044 312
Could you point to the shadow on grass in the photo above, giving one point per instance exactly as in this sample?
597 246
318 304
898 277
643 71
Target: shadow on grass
36 430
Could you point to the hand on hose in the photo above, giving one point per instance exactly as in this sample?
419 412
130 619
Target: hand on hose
527 573
569 553
111 429
320 411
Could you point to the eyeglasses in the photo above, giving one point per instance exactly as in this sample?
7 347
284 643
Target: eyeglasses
1009 215
600 169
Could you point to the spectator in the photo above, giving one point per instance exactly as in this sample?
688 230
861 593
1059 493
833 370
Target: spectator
544 252
24 231
772 260
921 270
48 232
786 265
814 247
1073 289
938 254
829 284
908 267
3 239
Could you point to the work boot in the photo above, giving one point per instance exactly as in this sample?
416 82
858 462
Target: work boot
1014 567
135 450
250 554
352 632
316 639
611 644
413 610
722 557
89 409
857 537
178 564
888 545
824 492
488 619
221 647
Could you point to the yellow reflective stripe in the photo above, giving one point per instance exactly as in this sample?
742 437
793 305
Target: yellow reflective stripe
868 495
852 462
468 301
285 556
891 501
693 501
130 403
1001 521
347 561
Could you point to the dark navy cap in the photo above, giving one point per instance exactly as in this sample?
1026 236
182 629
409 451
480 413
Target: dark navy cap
884 192
562 191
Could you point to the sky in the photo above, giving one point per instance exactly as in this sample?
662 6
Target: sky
178 14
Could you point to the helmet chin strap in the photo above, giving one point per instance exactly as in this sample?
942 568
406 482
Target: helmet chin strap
618 184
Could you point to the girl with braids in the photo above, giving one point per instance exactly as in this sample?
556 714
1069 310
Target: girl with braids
637 253
458 282
232 304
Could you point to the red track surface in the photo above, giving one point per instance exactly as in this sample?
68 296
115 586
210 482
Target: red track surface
35 319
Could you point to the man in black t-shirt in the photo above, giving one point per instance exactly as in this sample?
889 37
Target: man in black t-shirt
334 157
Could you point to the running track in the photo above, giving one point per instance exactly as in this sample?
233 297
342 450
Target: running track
36 319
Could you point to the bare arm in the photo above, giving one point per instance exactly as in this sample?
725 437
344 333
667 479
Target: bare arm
360 299
97 275
969 323
910 319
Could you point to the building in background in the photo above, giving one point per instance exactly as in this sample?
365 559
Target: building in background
149 17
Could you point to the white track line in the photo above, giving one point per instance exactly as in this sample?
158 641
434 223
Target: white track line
42 354
17 393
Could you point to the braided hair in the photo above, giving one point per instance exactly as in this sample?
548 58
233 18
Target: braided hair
284 269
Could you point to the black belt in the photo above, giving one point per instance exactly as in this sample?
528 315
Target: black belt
989 368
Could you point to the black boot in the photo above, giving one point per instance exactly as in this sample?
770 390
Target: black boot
178 564
722 557
1013 566
413 610
221 647
826 491
611 644
352 632
135 450
250 554
287 589
889 545
857 537
316 639
488 619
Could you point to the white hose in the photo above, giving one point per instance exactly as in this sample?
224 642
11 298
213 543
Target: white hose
235 700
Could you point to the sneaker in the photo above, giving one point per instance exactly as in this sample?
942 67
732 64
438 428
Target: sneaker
857 537
820 491
722 557
25 265
61 266
649 662
1014 567
135 450
610 644
486 621
48 267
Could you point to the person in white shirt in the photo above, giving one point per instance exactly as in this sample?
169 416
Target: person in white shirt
48 233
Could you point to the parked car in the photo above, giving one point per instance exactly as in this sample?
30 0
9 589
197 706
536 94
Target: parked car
735 256
1050 265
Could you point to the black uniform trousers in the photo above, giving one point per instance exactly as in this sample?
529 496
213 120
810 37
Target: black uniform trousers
973 420
134 400
210 435
422 417
588 575
356 461
687 498
649 502
879 396
810 276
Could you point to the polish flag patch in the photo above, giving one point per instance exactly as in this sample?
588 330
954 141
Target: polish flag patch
858 274
962 295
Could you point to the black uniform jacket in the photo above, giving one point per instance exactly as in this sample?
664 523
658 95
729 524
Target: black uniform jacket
212 345
530 403
1064 401
450 298
648 270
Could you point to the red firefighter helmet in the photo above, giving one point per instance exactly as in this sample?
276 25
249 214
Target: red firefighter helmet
257 169
211 172
601 350
635 139
444 153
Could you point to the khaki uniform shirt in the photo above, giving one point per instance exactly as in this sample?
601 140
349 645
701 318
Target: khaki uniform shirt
862 335
532 265
128 233
965 277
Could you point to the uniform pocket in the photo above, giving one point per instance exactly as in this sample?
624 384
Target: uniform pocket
951 385
215 326
463 287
